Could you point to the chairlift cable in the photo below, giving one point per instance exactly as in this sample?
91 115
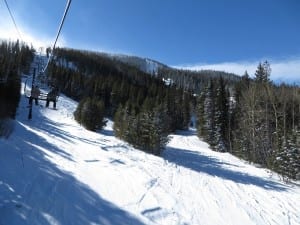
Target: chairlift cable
58 33
13 19
57 36
3 80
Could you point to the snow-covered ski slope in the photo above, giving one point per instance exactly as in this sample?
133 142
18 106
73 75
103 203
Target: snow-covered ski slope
53 171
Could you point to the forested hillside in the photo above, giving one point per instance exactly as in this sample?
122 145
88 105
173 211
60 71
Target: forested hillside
146 65
195 81
53 171
254 119
15 58
259 121
251 118
145 110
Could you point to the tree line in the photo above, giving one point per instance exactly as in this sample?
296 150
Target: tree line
251 118
256 120
194 81
15 58
144 109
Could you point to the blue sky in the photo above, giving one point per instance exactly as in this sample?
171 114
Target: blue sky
184 33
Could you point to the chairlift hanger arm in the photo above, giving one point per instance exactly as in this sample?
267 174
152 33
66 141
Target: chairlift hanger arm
58 33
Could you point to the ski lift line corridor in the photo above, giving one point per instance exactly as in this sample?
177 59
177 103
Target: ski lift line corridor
34 93
42 84
43 94
41 81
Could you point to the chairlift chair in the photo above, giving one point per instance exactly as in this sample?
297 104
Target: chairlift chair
42 83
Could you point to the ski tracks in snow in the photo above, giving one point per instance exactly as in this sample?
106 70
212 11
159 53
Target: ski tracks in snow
189 184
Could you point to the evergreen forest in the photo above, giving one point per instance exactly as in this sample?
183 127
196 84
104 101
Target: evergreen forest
257 120
252 118
144 109
15 59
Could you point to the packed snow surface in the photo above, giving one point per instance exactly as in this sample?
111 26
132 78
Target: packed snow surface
53 171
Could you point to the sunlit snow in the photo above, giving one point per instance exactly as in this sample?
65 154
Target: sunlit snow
53 171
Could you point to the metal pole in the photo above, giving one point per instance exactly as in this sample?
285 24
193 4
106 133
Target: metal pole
30 98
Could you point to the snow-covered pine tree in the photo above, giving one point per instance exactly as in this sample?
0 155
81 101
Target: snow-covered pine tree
294 155
287 161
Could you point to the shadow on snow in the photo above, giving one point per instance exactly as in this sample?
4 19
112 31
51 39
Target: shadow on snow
211 166
41 193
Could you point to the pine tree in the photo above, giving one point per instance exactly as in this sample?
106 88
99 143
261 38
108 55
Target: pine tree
77 113
221 118
152 134
200 114
186 111
287 161
294 155
90 113
14 59
262 74
118 122
209 115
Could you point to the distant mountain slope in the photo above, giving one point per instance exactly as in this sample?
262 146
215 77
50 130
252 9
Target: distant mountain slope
186 79
196 81
146 65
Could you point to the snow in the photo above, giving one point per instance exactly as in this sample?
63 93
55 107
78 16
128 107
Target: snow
53 171
168 81
144 64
